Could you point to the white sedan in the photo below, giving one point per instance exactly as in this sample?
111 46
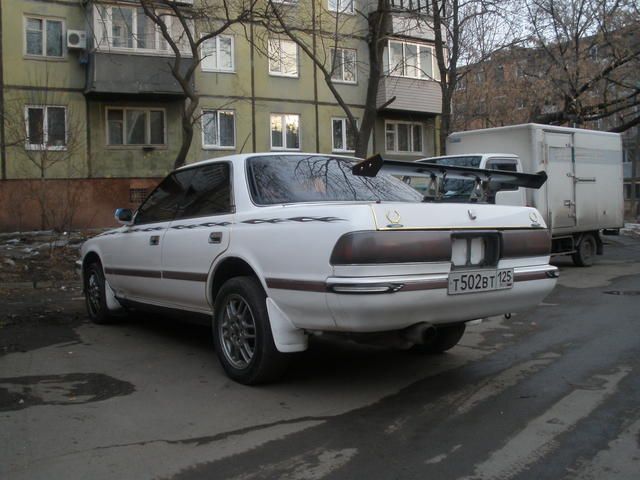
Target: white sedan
275 247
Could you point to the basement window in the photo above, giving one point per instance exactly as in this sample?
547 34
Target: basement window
137 195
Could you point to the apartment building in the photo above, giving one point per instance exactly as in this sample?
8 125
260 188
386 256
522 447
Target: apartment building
91 113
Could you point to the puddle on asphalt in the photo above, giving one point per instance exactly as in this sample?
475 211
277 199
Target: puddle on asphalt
18 393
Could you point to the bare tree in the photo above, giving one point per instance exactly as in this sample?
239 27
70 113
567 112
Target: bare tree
467 32
186 28
46 138
589 58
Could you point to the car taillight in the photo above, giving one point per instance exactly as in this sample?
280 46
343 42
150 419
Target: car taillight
378 247
525 243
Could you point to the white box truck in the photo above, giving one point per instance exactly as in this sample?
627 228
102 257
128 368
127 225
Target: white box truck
583 193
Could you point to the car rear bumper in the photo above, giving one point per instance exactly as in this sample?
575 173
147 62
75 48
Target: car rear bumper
368 304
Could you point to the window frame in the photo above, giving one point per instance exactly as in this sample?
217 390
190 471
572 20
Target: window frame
345 122
206 146
284 133
419 46
104 33
342 63
233 55
411 125
351 11
147 132
45 20
45 129
280 50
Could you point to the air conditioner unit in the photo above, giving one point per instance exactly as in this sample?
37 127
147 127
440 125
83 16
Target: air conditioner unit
76 39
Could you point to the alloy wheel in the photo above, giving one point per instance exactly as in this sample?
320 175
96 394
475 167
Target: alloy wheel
237 331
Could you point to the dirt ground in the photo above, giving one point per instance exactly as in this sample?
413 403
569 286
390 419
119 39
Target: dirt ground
40 292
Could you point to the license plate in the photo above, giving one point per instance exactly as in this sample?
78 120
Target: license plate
480 281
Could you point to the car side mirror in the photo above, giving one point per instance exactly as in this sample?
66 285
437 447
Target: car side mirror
124 216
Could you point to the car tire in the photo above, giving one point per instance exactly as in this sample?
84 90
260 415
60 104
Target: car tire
586 251
242 333
95 295
445 338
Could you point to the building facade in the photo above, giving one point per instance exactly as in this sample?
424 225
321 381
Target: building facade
91 113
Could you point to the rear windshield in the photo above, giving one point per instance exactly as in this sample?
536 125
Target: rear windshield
316 178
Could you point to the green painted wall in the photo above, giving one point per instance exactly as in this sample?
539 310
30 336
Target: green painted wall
61 82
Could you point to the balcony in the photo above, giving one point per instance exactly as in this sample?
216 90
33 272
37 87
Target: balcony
412 95
112 73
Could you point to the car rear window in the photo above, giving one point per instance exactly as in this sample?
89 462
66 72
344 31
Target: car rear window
315 178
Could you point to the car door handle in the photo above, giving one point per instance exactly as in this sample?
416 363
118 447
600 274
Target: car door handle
215 237
154 240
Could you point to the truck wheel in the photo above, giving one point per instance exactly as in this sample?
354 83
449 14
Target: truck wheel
95 296
445 339
586 251
242 333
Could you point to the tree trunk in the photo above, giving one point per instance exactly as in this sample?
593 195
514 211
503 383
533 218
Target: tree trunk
373 82
187 131
445 121
370 111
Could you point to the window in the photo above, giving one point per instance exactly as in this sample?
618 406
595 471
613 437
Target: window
43 37
217 54
480 76
403 137
499 74
341 6
46 127
218 129
209 192
343 65
343 139
128 28
283 58
162 204
409 60
285 132
520 104
135 126
461 84
411 5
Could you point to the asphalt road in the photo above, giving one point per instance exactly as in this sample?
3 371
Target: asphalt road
551 394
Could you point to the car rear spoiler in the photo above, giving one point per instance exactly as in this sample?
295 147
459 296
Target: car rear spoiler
488 182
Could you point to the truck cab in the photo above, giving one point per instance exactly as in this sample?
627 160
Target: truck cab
458 190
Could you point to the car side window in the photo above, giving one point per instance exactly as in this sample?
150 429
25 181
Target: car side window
209 192
162 204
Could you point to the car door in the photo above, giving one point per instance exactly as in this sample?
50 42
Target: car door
198 235
560 187
134 264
